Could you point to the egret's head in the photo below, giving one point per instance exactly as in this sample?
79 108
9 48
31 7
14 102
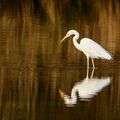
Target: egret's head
61 94
69 33
69 101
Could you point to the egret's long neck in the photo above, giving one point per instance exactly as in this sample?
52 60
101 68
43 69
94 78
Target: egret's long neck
73 94
75 38
70 100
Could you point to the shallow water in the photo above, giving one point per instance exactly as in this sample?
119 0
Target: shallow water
34 67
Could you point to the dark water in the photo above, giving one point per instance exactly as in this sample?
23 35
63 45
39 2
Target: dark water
34 67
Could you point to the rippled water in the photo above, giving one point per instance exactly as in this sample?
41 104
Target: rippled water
36 71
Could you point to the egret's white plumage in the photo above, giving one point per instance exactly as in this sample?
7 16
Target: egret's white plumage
93 49
89 47
86 89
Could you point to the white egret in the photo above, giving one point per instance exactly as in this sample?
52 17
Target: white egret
86 89
89 47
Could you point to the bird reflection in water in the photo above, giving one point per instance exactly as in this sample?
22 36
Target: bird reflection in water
86 89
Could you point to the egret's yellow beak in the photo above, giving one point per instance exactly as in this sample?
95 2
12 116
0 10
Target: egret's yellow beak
63 39
61 94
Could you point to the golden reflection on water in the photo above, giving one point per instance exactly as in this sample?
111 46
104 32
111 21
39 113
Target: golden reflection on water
33 66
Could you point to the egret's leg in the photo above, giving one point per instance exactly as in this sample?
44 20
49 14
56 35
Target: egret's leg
92 72
93 63
87 67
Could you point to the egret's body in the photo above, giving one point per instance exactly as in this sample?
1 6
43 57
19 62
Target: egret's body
86 89
93 50
89 47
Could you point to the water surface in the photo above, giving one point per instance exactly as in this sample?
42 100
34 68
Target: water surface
34 67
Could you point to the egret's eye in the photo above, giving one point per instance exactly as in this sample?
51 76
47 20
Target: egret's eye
67 34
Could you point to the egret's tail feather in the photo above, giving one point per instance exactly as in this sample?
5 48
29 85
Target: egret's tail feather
106 55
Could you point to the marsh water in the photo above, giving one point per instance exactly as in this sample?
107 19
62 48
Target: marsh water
34 67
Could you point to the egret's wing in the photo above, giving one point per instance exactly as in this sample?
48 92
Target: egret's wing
93 49
87 89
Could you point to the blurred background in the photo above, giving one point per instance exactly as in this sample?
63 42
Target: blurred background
33 66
